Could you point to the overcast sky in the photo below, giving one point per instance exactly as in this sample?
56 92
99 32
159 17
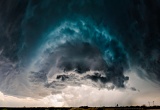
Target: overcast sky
83 52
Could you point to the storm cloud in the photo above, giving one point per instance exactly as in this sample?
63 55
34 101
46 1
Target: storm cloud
48 45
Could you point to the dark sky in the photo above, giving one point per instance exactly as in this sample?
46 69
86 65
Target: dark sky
48 45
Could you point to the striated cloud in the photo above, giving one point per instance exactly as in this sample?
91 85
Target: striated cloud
46 46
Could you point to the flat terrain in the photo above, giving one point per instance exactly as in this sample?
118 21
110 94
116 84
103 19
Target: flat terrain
81 108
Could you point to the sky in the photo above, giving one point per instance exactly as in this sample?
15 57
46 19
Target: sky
66 53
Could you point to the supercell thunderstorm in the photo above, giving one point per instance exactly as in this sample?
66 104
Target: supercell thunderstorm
44 49
74 53
67 56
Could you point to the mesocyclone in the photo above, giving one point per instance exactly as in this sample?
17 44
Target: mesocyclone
46 46
76 53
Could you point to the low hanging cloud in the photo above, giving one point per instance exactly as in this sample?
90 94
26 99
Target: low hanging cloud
50 45
67 57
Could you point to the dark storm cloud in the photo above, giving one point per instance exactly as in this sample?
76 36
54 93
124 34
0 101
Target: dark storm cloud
143 38
81 56
79 47
11 15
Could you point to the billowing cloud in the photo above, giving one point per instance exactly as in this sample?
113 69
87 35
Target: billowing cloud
50 44
67 57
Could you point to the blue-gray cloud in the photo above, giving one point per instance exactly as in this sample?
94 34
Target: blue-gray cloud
52 44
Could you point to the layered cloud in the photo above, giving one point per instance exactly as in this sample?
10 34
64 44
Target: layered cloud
50 45
77 53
